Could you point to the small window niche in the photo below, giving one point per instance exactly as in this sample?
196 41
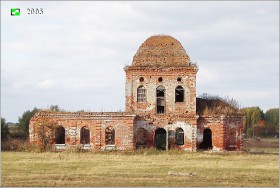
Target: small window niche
179 79
141 79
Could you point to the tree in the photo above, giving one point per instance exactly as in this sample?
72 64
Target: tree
272 118
253 115
23 122
249 132
258 123
4 129
55 108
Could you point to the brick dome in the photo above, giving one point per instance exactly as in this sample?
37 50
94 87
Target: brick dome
161 51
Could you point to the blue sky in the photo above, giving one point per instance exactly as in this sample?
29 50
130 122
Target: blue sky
74 53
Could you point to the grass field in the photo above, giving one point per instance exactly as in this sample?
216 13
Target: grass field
143 168
264 145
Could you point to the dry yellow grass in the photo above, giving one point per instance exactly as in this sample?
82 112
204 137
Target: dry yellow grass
138 169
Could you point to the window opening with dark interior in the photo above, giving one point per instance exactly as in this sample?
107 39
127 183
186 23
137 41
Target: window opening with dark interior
110 136
160 79
160 139
179 94
141 79
60 135
85 136
160 93
179 136
179 79
206 143
141 94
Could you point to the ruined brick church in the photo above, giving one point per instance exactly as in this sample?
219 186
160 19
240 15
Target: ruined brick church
160 94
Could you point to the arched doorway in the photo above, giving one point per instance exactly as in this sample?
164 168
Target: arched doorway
160 139
207 140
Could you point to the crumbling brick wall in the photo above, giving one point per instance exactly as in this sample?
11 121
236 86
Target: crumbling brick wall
226 132
122 123
150 123
169 82
161 61
233 132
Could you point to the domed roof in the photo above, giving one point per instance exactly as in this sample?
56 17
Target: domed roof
161 51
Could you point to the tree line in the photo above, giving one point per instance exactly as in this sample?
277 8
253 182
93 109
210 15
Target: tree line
21 129
259 124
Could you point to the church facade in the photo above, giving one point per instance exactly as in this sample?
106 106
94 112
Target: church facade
160 94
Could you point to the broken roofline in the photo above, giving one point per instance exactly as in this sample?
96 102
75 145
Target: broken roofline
83 114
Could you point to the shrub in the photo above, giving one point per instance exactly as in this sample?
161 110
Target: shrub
249 132
23 145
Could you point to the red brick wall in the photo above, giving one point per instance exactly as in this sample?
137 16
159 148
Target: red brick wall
226 131
169 76
97 123
233 133
170 123
216 126
159 56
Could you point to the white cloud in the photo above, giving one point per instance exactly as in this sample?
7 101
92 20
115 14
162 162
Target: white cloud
45 84
73 55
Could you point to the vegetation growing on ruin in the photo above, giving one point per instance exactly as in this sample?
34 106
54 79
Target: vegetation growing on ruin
214 105
256 123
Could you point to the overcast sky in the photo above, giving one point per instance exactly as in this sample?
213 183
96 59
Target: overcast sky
74 53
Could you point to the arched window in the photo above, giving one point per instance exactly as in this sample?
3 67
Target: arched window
179 94
160 93
85 136
60 135
179 136
110 136
141 94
